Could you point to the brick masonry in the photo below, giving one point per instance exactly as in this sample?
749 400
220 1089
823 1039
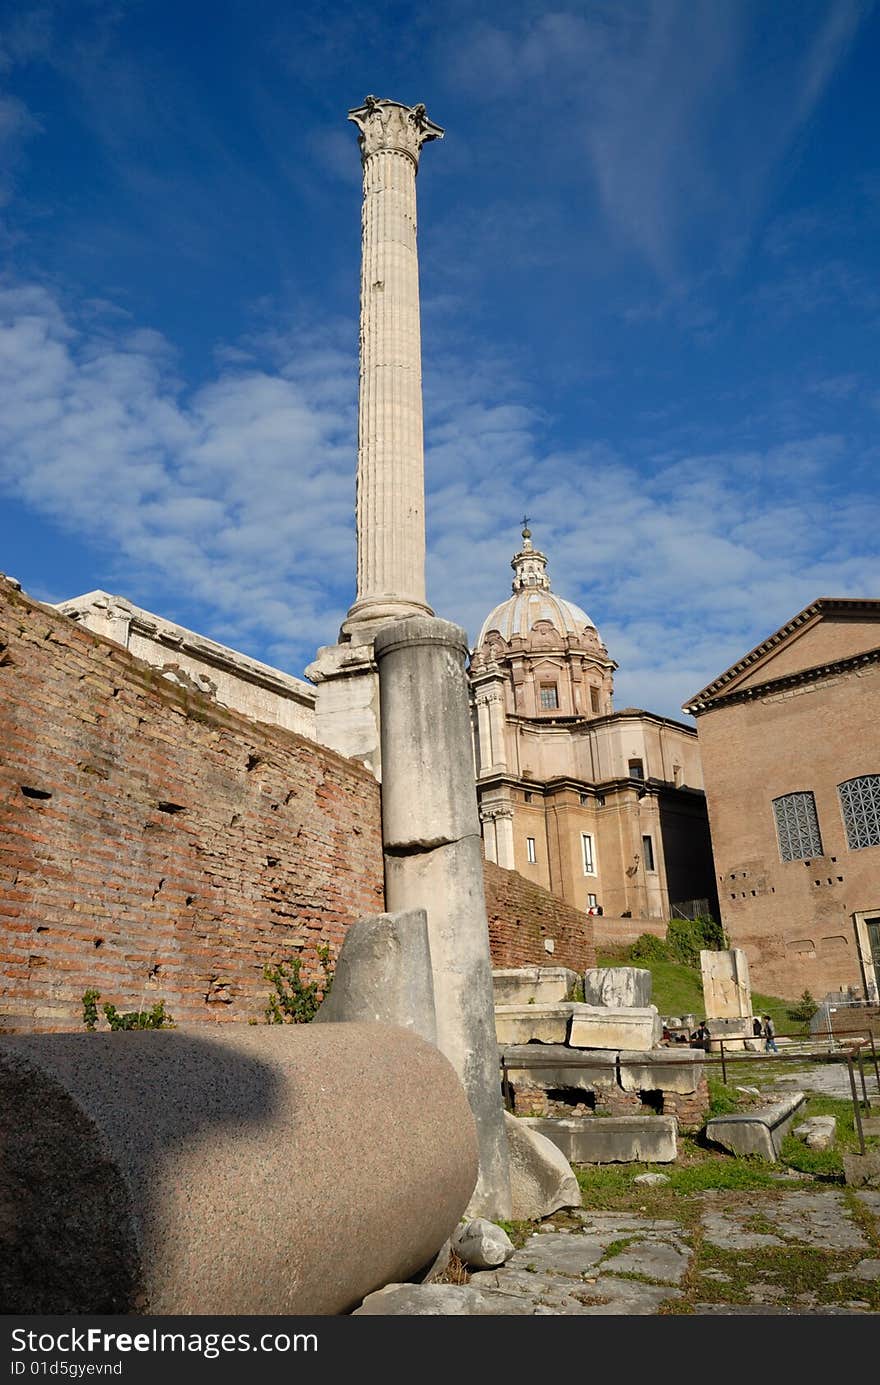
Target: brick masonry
522 915
794 919
690 1109
156 846
619 932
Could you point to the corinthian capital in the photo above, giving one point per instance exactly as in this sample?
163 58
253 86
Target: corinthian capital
389 125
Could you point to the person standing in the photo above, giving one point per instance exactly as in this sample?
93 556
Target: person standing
769 1035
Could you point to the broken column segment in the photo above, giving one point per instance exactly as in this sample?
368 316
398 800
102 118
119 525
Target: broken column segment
237 1169
431 835
383 975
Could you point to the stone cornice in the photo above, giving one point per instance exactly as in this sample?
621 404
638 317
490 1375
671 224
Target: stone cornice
646 788
391 127
706 703
581 722
177 638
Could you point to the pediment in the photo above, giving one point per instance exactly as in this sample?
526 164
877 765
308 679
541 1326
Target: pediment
827 632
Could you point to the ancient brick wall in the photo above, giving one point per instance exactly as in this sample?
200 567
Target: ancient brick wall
522 915
612 932
155 846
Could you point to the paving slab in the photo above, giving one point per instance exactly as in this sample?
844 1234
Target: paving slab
563 1272
615 1224
729 1310
727 1231
572 1254
821 1220
654 1260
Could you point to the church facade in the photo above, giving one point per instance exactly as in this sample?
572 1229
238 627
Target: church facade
604 808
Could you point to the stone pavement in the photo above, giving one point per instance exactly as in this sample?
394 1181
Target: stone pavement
810 1249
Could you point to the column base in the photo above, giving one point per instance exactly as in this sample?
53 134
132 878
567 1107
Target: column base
373 611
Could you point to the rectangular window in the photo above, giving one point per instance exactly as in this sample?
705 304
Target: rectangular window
591 901
530 850
549 695
636 769
860 804
588 854
648 853
797 826
585 798
594 699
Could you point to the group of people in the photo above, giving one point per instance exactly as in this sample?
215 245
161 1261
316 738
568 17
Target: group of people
762 1028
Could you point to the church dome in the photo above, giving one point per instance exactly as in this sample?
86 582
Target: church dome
533 601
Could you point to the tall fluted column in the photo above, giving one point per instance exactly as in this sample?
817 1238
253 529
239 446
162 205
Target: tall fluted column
391 469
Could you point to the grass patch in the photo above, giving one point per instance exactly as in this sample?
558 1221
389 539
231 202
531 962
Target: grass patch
791 1271
697 1170
617 1248
824 1163
723 1100
518 1231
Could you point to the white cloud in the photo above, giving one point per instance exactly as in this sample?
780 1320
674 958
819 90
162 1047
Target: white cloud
237 497
232 506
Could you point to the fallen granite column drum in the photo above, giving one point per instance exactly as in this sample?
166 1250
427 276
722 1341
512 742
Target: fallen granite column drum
259 1170
431 837
391 467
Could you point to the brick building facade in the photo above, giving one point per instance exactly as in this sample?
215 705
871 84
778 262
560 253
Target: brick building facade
790 743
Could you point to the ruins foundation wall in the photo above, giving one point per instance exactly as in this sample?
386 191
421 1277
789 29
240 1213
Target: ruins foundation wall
155 846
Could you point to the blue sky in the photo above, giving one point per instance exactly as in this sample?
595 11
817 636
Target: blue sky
650 293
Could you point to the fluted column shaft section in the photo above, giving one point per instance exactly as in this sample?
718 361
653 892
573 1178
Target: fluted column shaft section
391 467
391 463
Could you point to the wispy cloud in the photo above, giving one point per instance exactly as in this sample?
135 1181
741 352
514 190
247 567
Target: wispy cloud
642 96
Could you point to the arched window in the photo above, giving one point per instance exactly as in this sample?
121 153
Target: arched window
797 826
860 805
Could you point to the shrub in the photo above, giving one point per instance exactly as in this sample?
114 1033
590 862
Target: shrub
90 1008
296 1001
686 938
647 948
803 1010
155 1018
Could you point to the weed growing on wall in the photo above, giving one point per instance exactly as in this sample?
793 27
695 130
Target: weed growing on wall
155 1018
296 1001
